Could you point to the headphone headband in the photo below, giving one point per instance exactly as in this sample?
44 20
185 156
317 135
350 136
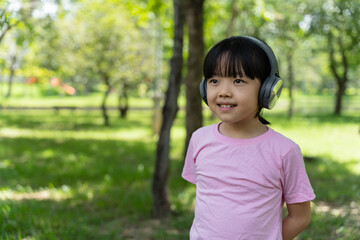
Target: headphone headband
270 54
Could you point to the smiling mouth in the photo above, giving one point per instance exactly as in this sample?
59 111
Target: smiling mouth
226 105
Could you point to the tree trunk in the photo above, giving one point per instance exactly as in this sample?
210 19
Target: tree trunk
123 101
234 14
194 18
290 79
161 206
340 76
156 124
103 104
339 93
13 60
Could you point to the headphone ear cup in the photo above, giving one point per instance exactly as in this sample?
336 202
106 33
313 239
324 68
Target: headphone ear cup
270 92
203 88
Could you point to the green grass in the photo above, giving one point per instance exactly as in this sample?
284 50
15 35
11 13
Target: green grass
65 176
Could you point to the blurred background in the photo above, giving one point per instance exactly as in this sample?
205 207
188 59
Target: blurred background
98 99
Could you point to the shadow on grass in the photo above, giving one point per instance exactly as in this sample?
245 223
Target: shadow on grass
334 182
38 162
336 212
48 120
106 180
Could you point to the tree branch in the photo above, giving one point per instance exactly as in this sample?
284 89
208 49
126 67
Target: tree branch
344 59
2 34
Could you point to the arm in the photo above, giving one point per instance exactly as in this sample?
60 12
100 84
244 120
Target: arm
298 218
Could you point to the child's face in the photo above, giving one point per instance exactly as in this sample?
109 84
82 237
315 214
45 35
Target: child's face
233 100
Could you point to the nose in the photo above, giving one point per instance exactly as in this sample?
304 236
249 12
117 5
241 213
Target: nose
225 90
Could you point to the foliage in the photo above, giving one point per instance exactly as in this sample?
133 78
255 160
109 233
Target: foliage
14 14
339 19
79 35
92 38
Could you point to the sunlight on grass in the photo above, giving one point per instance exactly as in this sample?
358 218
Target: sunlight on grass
131 134
93 100
26 193
340 143
328 140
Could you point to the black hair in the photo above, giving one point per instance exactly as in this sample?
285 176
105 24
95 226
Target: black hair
237 56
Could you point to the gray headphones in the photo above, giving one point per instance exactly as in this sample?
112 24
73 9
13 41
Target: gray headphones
270 89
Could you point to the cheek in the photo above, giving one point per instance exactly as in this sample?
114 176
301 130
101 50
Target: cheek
211 102
254 98
255 93
211 95
248 98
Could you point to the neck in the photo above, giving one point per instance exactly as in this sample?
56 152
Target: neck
242 130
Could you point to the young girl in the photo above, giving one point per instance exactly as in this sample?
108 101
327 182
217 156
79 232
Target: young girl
243 170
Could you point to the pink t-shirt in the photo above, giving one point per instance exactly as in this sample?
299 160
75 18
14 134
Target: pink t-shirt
241 184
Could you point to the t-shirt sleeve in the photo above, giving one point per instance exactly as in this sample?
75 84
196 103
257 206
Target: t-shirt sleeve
296 184
189 171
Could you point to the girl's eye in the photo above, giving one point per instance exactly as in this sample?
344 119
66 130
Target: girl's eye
213 81
238 81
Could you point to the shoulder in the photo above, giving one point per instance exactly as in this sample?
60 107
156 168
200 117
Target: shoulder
282 144
204 132
203 137
280 138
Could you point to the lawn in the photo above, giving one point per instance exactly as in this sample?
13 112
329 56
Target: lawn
65 176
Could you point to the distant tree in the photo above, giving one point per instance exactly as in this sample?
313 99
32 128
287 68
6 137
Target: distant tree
338 23
15 17
99 46
48 37
161 206
285 17
103 45
14 57
123 99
